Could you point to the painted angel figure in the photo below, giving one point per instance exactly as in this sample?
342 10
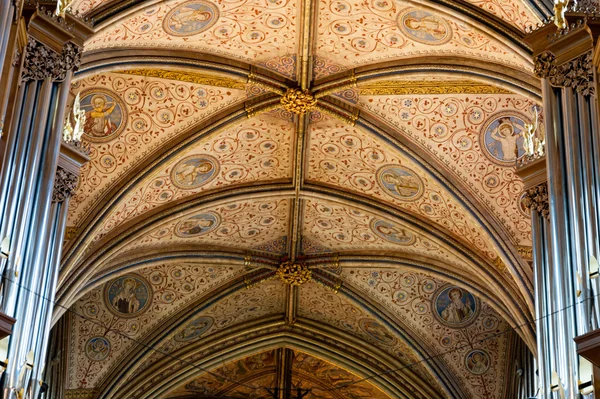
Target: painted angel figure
528 139
79 118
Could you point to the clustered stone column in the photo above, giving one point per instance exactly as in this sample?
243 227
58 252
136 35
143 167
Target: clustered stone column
39 53
566 243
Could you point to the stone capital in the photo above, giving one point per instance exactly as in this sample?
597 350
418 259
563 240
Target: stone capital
42 62
536 198
65 184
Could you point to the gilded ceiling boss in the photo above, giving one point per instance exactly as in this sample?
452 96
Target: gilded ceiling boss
284 199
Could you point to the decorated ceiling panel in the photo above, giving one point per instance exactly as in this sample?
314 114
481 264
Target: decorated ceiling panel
125 310
130 116
325 306
255 31
516 12
243 305
260 223
255 150
474 135
355 33
356 160
109 319
340 228
461 331
325 379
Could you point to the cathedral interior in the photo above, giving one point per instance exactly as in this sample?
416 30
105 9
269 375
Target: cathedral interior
320 199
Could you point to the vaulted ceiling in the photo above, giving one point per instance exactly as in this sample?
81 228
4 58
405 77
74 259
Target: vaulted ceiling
397 189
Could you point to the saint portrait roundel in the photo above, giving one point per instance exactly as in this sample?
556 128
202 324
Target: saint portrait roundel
392 233
194 329
128 296
97 348
455 307
105 114
424 27
378 332
501 136
477 361
194 171
400 182
197 225
190 18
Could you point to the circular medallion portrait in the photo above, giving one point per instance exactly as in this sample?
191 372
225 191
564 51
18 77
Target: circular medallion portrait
197 225
400 182
105 114
477 362
97 348
392 233
424 27
190 18
194 171
455 307
523 205
128 296
501 136
194 329
378 332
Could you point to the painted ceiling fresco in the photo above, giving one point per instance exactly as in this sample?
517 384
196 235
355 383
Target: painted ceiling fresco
201 182
255 31
255 150
113 324
326 380
137 115
356 160
462 131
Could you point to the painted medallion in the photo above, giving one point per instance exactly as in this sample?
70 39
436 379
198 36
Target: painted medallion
392 233
477 362
194 329
424 27
378 332
455 307
197 225
105 114
128 296
97 348
190 18
194 171
501 136
400 182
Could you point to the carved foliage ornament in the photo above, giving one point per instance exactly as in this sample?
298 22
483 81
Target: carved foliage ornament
65 184
577 73
294 273
42 62
298 101
536 198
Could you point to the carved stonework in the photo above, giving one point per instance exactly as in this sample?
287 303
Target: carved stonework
42 62
537 198
294 273
543 64
64 185
577 74
298 101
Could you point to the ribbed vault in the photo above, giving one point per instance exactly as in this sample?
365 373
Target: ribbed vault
396 188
